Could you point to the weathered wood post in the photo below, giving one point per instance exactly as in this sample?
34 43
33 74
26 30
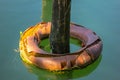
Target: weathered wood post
60 31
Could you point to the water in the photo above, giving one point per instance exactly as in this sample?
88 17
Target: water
75 45
101 16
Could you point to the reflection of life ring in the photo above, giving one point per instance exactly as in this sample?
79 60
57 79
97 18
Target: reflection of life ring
30 52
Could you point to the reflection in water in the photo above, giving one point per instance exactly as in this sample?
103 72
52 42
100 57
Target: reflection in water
62 75
46 10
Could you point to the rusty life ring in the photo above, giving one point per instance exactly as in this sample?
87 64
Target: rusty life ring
31 53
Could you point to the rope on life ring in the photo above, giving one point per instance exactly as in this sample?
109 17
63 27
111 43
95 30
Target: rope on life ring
31 53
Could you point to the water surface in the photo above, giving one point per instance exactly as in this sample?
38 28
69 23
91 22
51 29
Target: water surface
101 16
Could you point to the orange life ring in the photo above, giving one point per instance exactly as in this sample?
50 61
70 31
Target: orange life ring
31 53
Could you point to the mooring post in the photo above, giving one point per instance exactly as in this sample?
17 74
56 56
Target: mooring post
60 31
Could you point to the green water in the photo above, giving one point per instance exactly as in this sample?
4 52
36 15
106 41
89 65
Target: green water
75 45
101 16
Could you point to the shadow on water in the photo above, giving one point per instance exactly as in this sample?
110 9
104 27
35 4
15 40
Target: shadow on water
62 75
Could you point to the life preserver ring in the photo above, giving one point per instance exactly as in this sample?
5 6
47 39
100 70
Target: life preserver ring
31 53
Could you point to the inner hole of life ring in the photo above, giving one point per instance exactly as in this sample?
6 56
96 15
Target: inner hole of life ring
75 44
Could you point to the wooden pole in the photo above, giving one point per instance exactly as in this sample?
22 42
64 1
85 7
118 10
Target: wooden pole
60 31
